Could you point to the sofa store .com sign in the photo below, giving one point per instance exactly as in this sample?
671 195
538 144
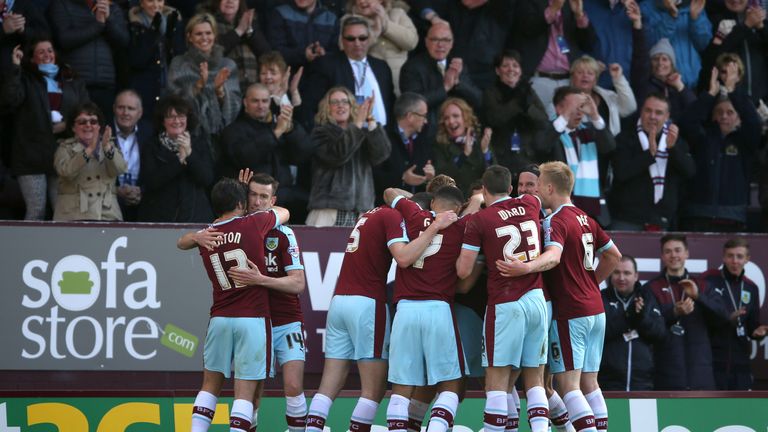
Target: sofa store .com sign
122 297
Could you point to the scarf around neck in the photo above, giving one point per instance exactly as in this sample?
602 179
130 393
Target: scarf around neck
49 71
657 170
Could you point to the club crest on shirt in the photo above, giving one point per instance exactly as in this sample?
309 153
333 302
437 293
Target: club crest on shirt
746 297
271 243
732 150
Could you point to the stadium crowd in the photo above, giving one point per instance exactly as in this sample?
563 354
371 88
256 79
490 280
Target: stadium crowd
661 115
126 111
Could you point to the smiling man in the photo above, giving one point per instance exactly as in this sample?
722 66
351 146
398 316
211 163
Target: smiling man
352 67
633 322
267 144
731 342
684 359
437 75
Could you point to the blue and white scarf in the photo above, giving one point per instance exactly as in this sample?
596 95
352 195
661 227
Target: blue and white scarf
583 163
657 170
50 70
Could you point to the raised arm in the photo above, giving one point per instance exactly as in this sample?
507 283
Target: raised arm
405 254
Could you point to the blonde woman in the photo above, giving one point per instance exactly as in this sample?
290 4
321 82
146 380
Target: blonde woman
348 144
205 76
392 30
616 104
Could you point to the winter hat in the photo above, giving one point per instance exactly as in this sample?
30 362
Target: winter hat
663 47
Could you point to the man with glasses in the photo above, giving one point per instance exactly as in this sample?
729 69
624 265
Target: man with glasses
409 166
365 76
437 77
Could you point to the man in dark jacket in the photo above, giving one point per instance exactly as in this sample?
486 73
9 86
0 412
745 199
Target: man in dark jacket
649 167
354 69
409 166
436 76
633 322
726 130
303 31
684 359
132 133
257 141
87 37
731 341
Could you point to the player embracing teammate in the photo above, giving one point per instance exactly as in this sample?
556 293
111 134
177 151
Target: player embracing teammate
571 240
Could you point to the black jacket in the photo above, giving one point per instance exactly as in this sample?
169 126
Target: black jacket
390 172
421 75
35 27
149 56
730 352
334 70
172 192
27 98
632 194
249 143
684 362
509 110
479 35
531 34
720 188
86 43
752 47
627 365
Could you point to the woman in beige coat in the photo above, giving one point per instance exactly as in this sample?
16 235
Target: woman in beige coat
393 32
88 165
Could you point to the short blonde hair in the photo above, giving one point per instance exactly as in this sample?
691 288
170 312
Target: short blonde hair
587 62
201 18
323 115
559 175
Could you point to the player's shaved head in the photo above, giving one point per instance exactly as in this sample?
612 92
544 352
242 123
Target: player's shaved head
226 195
497 180
447 198
559 175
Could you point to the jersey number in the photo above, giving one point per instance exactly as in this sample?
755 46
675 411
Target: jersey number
589 251
515 238
433 248
241 261
354 236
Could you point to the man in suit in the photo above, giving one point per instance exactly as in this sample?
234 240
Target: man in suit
131 134
436 77
364 76
409 166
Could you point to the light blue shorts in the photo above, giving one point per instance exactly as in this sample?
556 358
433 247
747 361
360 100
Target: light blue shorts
471 332
515 333
577 344
288 343
246 342
357 328
426 347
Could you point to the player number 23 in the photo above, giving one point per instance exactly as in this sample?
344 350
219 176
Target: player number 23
241 261
515 238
